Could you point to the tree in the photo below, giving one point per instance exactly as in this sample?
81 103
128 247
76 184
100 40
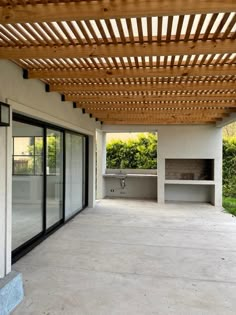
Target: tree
229 130
53 149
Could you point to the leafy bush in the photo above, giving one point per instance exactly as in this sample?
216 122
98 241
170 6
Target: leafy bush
140 153
230 205
229 167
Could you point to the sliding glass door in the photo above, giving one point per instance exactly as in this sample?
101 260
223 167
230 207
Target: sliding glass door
75 174
27 182
46 190
54 180
37 182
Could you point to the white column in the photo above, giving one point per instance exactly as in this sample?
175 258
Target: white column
91 175
5 200
161 179
161 165
217 197
9 198
2 202
101 163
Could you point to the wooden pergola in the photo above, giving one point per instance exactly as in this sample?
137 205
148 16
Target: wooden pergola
128 61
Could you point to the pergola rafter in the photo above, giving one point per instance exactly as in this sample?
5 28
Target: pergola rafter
106 9
109 88
134 73
157 105
175 59
119 50
148 98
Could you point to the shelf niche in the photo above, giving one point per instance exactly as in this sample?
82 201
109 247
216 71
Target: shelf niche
189 169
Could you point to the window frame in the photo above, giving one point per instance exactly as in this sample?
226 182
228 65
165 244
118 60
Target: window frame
34 173
30 244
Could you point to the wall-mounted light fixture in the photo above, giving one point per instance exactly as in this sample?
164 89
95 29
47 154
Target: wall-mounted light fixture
4 115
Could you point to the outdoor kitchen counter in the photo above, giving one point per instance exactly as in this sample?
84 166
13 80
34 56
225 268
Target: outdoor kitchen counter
131 185
129 175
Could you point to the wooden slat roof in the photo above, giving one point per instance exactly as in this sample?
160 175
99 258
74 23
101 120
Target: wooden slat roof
128 61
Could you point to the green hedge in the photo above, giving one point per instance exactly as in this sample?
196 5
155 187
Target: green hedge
140 153
229 167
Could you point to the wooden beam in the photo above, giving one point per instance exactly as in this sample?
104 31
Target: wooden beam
172 114
160 122
170 118
132 73
154 115
163 105
161 111
120 50
151 115
149 98
141 87
211 121
106 9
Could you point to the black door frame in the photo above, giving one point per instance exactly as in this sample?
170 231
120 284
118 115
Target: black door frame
37 239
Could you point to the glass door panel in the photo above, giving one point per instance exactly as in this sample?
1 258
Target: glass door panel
27 182
74 174
38 179
54 178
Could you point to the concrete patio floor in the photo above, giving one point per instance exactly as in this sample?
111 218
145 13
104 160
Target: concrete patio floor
131 257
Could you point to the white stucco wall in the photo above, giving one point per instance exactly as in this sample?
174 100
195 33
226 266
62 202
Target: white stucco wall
28 97
198 142
185 142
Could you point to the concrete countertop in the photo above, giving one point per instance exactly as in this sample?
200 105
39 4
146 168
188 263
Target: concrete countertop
189 182
129 175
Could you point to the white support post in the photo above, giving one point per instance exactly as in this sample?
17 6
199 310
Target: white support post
92 164
217 196
11 283
2 202
5 200
161 179
104 152
9 197
101 164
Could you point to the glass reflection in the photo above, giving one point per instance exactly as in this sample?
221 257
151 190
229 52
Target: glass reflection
54 169
27 182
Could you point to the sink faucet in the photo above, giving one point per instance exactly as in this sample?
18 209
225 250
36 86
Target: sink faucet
122 183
